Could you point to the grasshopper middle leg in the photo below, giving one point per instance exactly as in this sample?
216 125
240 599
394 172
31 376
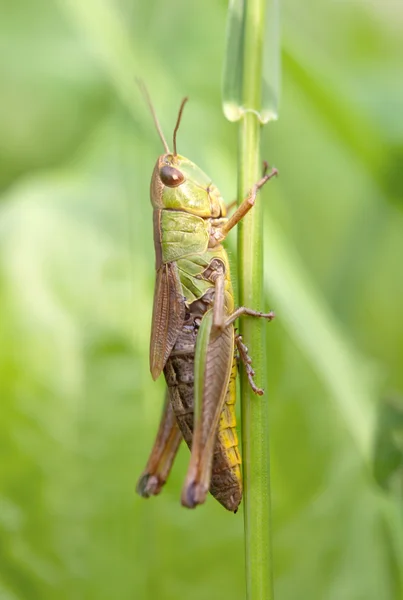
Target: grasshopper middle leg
247 361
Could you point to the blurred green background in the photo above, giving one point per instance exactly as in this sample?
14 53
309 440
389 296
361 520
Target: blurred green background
78 407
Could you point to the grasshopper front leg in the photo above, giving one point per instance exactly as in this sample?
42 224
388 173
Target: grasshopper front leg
220 233
232 204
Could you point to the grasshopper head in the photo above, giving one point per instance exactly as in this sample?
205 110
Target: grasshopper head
177 183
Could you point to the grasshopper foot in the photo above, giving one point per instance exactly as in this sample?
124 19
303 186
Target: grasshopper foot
194 493
247 361
149 485
266 175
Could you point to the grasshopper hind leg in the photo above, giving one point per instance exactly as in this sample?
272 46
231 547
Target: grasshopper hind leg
212 374
213 363
162 455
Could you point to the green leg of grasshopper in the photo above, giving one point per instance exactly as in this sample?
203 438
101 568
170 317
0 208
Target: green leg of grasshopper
162 455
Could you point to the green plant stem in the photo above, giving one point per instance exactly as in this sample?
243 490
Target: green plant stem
255 417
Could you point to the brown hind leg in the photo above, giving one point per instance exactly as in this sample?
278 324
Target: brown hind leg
216 336
213 365
162 454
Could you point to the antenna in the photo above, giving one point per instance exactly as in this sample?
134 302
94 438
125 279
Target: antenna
178 123
147 98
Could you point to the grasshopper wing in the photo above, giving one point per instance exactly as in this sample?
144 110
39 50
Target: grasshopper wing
168 316
213 364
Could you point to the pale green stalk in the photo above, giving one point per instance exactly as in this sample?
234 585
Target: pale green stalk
255 409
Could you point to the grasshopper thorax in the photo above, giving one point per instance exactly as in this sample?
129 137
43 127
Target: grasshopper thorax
178 184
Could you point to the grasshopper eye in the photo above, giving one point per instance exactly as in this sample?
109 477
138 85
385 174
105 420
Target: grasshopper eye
171 177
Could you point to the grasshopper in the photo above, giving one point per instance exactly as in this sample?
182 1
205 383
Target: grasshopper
193 340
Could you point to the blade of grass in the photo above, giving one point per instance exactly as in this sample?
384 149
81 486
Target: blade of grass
235 103
250 94
255 417
255 411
